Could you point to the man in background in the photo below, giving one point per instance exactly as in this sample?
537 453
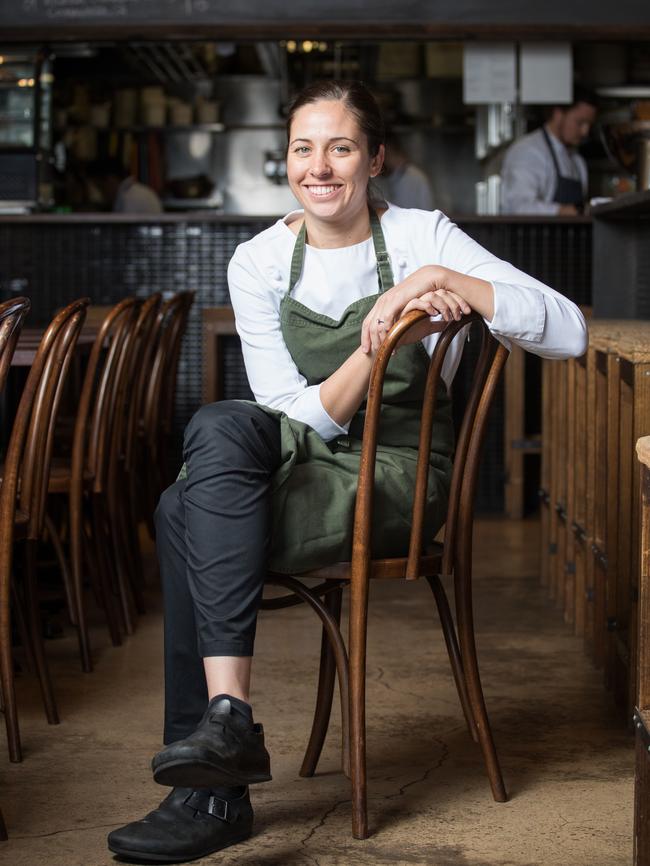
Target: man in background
402 182
542 172
121 191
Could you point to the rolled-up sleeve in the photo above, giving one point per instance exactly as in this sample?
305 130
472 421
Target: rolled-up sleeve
526 311
272 374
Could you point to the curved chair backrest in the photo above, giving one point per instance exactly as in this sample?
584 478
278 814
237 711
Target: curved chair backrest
12 315
177 326
29 452
458 525
146 338
161 390
96 413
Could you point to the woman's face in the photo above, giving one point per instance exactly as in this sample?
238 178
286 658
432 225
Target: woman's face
328 165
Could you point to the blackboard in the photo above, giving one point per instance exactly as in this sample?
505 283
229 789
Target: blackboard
362 16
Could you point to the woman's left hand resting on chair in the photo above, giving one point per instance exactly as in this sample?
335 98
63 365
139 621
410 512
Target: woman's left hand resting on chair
434 289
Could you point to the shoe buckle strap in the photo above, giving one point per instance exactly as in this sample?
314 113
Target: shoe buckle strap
213 808
211 805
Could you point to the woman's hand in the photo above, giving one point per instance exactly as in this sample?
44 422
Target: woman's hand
425 289
456 308
437 291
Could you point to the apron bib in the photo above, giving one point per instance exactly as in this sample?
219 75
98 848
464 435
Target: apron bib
568 190
314 489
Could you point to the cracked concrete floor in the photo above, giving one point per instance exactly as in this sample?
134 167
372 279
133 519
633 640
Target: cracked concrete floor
567 759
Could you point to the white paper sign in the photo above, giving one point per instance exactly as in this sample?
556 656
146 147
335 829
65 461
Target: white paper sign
489 72
545 73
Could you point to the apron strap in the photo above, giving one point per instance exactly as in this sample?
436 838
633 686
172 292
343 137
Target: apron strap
554 156
384 270
297 258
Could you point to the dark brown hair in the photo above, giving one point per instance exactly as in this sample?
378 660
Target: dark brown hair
357 99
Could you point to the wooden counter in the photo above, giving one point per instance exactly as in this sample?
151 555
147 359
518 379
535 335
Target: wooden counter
594 410
642 710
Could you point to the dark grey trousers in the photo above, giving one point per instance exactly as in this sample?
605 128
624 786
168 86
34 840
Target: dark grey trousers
212 538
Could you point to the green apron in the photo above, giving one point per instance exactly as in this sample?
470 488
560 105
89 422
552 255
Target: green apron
314 489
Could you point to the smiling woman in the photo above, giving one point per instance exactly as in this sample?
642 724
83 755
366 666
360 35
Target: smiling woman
332 153
272 484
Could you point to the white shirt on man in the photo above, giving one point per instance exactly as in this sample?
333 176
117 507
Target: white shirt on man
526 311
529 178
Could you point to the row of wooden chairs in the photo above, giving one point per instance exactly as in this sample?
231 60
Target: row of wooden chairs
121 430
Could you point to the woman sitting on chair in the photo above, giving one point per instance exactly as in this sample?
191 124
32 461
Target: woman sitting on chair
272 484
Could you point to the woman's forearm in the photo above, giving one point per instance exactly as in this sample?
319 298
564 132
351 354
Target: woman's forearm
479 294
345 390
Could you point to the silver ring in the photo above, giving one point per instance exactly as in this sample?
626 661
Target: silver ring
380 321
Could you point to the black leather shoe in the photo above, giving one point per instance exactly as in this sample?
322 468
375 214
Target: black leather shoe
187 825
226 749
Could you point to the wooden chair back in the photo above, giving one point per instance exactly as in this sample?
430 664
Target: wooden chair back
29 452
161 391
458 525
12 315
177 327
146 338
96 413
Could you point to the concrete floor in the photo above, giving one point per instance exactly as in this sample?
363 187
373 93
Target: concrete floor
567 760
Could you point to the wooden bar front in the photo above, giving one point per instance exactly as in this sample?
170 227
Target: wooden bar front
594 410
642 710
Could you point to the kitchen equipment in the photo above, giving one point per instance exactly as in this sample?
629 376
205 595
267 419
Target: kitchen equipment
643 164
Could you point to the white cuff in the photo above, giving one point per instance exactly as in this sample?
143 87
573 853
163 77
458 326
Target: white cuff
519 313
330 429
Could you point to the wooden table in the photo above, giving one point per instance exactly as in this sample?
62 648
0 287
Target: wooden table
642 709
218 322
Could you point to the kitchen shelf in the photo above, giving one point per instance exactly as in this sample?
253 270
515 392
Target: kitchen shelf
191 127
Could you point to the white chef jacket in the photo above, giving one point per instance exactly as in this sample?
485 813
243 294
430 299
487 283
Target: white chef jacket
526 312
135 197
528 176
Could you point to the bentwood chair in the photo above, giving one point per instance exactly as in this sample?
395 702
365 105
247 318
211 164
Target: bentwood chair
160 395
12 315
93 476
452 557
22 506
133 459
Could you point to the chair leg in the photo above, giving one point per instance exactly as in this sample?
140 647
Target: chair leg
451 643
100 583
467 640
35 627
357 648
3 828
326 677
104 545
335 639
127 548
132 522
23 630
76 555
7 677
53 535
130 604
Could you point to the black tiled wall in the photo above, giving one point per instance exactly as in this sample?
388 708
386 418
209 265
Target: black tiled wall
54 262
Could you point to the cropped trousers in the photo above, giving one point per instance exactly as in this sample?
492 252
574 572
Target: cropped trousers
212 537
